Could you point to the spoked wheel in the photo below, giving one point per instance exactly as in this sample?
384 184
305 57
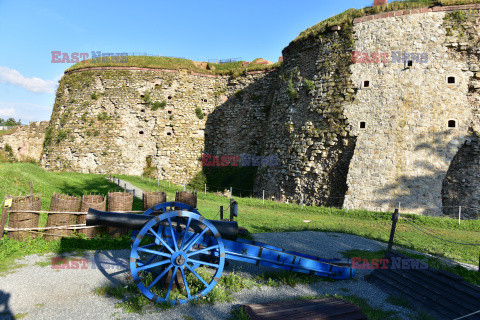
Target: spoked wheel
165 207
161 248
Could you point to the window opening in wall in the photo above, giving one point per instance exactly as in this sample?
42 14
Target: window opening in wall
204 100
452 123
409 63
140 132
169 97
169 133
363 124
366 84
451 80
143 110
169 111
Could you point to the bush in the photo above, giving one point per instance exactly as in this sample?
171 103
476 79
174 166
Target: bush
8 148
310 85
158 105
198 182
61 135
103 116
199 113
95 96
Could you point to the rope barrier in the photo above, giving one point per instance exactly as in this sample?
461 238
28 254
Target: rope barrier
437 237
70 227
68 212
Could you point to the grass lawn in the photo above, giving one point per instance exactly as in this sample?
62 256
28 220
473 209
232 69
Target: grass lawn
257 218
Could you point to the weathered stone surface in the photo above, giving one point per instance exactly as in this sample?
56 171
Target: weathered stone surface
26 141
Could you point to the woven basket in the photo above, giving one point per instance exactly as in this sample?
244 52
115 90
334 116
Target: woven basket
187 197
93 201
119 201
24 219
61 202
151 198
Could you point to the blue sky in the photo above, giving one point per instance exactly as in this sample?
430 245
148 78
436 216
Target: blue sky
198 30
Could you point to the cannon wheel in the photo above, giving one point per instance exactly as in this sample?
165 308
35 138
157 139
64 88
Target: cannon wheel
175 251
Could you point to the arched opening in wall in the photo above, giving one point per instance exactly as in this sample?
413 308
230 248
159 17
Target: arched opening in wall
409 63
169 133
460 185
143 110
451 124
204 100
366 84
169 111
451 80
140 132
362 125
169 97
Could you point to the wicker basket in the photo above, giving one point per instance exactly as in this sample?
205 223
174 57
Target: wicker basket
24 219
119 201
59 203
151 198
97 202
187 197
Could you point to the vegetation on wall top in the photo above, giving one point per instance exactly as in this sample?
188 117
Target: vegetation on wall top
348 16
230 68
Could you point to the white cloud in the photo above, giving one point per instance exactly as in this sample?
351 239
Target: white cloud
36 85
7 113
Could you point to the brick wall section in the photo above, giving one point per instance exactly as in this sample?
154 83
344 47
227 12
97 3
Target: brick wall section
416 11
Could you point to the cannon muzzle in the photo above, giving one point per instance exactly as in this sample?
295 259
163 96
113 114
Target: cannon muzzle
227 229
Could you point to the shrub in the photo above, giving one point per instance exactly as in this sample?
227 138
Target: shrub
8 148
62 134
199 113
158 105
310 85
103 116
291 91
95 95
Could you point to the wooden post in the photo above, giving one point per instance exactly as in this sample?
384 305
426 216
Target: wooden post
3 218
392 232
478 261
221 212
459 214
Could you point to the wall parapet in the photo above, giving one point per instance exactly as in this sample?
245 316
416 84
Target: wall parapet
214 76
415 11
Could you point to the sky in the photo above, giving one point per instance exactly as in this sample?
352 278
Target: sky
197 30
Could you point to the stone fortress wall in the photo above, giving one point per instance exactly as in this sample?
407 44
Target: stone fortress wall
26 141
364 135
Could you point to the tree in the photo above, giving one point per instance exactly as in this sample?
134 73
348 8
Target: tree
9 122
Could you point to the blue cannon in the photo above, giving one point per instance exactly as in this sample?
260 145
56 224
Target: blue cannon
175 247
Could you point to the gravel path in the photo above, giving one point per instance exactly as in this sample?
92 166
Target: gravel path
42 292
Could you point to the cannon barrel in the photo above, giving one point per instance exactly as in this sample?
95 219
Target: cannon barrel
227 229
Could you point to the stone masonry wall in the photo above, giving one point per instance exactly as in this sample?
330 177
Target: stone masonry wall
405 149
26 141
307 128
102 123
